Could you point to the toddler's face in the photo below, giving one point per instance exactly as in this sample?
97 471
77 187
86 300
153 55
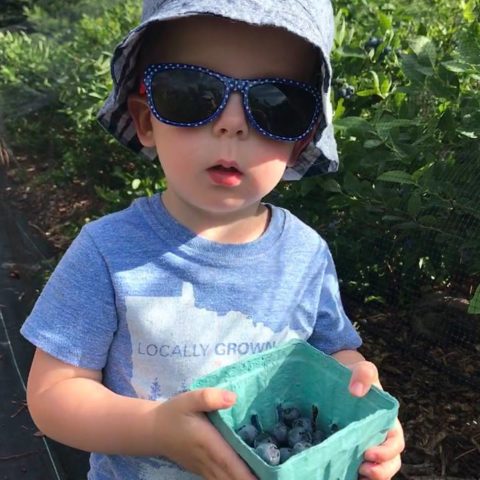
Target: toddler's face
225 166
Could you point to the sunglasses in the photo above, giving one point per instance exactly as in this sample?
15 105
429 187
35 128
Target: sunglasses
191 96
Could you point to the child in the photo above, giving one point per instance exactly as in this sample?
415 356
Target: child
176 285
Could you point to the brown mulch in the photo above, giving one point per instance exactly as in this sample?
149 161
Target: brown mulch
439 409
52 209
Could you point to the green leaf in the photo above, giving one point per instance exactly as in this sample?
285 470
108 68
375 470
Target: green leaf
340 29
396 176
414 204
339 109
331 185
353 125
474 307
351 52
351 184
468 134
414 70
456 66
376 83
425 50
392 218
428 220
366 93
385 21
422 171
469 47
136 183
386 125
469 11
372 143
406 226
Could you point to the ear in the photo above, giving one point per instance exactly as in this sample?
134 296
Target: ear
142 119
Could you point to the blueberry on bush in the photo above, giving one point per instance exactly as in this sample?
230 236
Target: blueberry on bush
373 42
386 51
269 453
347 92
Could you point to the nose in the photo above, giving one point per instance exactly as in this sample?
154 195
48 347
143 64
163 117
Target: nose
232 121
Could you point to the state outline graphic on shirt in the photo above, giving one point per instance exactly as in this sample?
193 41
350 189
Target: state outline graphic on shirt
174 341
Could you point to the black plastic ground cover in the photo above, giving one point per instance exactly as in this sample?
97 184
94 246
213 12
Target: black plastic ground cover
24 453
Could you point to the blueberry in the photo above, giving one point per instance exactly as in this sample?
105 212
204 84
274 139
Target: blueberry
346 91
299 434
303 422
285 454
373 42
289 414
318 437
269 453
280 433
247 433
300 447
386 51
263 437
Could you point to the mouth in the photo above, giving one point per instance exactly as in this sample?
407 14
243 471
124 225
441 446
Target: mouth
225 173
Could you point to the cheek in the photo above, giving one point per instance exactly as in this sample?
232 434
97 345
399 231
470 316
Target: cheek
274 153
175 145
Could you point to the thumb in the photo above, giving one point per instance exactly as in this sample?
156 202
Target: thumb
207 399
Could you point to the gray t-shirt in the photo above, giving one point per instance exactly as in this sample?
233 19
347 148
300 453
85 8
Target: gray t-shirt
154 306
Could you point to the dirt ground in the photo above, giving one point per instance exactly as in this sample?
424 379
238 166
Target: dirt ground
440 412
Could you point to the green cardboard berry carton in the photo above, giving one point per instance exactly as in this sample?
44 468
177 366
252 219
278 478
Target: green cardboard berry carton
295 373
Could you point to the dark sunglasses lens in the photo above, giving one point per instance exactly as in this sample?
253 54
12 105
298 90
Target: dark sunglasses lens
281 109
186 96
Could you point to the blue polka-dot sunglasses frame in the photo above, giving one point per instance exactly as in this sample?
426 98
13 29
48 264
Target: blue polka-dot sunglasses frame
230 85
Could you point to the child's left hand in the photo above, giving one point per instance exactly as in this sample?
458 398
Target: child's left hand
383 461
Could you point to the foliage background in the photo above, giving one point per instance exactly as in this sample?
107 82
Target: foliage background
401 215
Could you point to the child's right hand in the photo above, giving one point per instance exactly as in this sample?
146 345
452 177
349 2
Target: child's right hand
189 439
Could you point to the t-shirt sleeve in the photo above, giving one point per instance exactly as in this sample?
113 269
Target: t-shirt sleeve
333 330
74 318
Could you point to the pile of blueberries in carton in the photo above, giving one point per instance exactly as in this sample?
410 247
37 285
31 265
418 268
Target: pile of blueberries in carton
292 434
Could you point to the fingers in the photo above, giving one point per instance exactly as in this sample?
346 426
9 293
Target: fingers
383 462
214 459
393 445
227 465
364 375
205 400
380 471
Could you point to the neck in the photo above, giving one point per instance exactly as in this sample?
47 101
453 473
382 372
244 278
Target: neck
242 226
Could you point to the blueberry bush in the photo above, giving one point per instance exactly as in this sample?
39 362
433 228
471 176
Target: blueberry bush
402 213
402 210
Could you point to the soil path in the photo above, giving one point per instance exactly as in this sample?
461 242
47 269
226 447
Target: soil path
24 452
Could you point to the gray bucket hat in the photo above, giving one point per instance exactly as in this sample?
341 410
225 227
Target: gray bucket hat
311 19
